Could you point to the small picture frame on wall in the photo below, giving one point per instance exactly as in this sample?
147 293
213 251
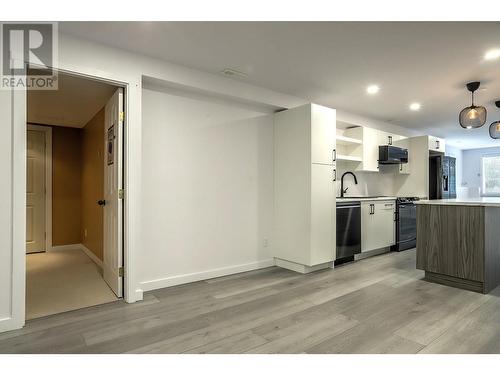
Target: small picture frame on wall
110 148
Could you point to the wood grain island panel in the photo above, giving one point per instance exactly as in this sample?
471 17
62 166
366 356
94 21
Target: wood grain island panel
459 245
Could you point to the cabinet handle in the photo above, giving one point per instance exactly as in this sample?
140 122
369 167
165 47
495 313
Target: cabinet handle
334 175
334 155
372 209
390 140
437 145
400 167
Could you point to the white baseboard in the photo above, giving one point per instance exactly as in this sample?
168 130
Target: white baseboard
75 246
79 246
10 324
300 268
91 255
204 275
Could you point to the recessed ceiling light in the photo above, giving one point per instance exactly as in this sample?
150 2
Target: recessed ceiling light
415 106
372 89
492 54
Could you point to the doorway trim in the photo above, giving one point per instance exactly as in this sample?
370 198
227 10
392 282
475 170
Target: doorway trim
130 294
103 69
48 180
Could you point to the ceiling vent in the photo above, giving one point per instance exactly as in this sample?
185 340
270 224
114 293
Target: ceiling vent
233 73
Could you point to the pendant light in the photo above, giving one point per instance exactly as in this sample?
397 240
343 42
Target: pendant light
473 116
495 126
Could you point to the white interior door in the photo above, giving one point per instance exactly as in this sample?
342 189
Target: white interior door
35 191
113 183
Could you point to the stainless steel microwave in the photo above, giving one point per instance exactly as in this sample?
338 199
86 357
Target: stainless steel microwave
392 155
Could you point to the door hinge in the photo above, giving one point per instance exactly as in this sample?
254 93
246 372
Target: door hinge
120 271
122 115
121 193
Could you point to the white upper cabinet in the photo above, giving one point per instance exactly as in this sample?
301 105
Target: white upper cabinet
436 144
384 138
371 141
387 139
323 127
404 143
309 131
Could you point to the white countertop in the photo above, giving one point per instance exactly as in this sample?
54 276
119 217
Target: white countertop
360 199
483 202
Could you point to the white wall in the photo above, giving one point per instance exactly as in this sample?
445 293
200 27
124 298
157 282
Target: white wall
122 67
471 165
5 207
12 209
369 183
144 262
207 188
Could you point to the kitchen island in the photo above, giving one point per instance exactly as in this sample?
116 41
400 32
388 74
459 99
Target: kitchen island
458 242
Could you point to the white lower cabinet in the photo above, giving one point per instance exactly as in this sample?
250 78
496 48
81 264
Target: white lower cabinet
377 224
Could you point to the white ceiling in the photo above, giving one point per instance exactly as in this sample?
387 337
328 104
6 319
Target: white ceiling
331 63
73 104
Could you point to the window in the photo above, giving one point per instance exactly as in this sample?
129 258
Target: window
491 175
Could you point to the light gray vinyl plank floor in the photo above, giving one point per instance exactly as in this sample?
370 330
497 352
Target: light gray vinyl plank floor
376 305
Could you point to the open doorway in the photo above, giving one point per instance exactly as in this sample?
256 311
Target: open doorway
74 196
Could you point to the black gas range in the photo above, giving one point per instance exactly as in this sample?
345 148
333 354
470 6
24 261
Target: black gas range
406 223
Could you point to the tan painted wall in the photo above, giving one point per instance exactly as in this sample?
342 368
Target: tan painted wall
66 186
93 183
77 185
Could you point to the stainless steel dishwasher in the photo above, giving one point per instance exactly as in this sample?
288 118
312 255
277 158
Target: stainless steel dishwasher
348 231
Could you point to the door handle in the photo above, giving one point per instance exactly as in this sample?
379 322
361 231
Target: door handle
101 202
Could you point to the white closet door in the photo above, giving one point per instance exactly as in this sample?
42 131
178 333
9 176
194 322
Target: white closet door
35 191
113 182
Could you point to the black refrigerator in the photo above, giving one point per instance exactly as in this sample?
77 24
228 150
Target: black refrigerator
442 177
